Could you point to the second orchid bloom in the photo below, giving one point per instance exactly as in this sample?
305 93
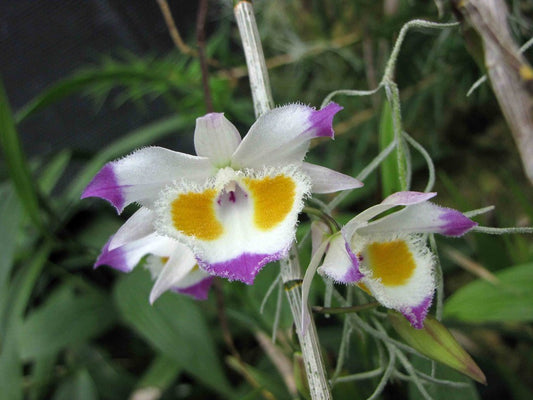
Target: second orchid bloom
388 257
234 205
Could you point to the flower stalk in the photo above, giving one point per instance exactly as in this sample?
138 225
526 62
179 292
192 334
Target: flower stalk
290 267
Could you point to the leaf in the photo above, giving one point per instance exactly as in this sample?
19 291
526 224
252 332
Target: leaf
65 319
42 374
174 326
160 374
437 343
17 165
109 376
78 387
53 171
482 302
10 215
17 300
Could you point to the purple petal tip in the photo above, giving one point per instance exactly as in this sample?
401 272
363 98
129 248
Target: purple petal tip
322 120
417 315
353 275
243 268
105 186
198 291
114 258
456 223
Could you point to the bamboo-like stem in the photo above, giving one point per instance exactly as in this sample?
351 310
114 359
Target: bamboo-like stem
255 59
290 267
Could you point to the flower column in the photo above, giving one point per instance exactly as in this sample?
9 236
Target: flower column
290 267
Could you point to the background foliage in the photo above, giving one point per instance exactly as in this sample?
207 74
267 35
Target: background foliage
69 332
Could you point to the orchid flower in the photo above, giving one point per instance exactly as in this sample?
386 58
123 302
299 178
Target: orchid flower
388 257
171 264
236 203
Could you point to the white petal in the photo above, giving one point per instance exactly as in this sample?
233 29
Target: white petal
140 176
281 136
319 233
394 200
126 256
139 225
180 263
421 218
216 138
326 180
340 264
408 198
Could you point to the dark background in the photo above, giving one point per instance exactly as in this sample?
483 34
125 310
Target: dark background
42 42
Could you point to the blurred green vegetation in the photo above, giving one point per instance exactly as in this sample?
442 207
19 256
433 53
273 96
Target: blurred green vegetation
70 332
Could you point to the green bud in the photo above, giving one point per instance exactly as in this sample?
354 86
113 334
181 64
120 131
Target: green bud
436 342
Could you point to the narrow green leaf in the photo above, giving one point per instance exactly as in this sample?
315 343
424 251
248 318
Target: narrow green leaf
78 387
42 374
482 302
137 138
53 171
10 214
111 378
390 181
112 74
65 319
160 374
437 343
18 296
174 326
17 165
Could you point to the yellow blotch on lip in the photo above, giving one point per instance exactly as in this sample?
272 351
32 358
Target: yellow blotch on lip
273 199
193 214
393 262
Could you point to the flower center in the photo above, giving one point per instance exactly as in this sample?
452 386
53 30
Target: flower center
392 262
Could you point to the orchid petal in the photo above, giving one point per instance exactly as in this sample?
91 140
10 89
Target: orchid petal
199 290
424 217
236 223
126 256
139 225
394 200
216 138
140 176
408 198
340 264
179 264
319 233
281 136
326 180
399 274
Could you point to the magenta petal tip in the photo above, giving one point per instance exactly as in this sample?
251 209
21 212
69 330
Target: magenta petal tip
354 274
115 258
198 291
456 224
105 186
243 268
322 120
417 315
